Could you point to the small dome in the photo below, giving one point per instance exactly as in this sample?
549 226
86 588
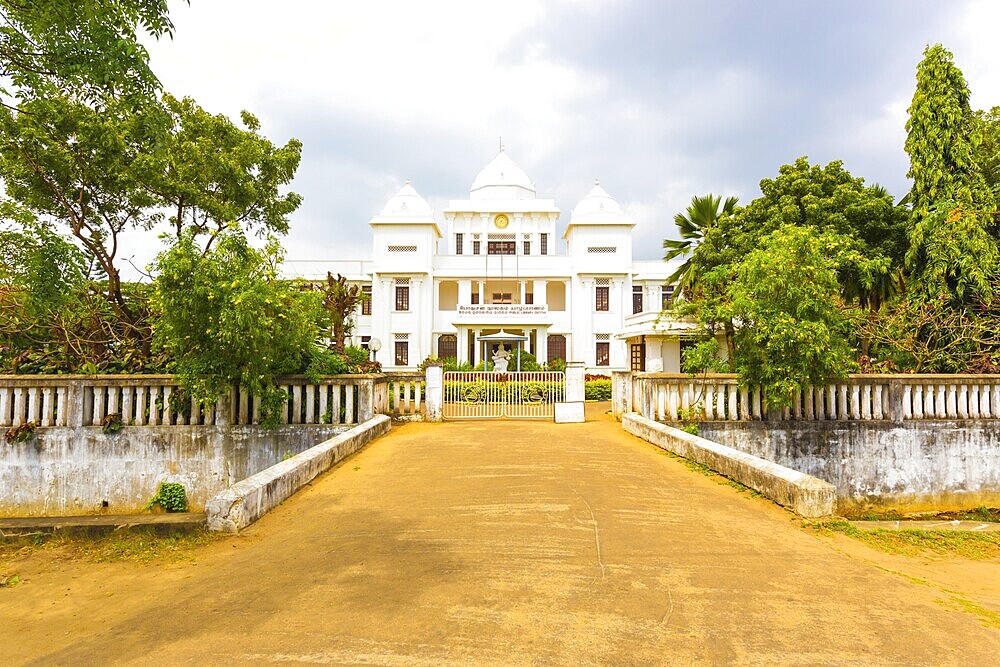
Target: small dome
501 173
407 203
597 203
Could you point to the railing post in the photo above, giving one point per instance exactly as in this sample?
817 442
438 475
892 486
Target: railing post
621 393
366 399
433 392
74 405
897 410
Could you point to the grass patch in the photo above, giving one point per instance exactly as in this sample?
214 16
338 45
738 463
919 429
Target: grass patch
972 545
138 545
987 617
703 469
981 513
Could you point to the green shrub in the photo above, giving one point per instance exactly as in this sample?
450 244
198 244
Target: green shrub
171 497
597 390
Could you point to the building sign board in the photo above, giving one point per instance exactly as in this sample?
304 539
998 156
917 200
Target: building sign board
502 310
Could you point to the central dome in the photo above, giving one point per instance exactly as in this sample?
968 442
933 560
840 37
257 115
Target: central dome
502 179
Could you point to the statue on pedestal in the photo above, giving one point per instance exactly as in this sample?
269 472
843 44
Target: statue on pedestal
500 358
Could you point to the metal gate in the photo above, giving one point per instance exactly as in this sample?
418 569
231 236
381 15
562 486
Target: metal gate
485 395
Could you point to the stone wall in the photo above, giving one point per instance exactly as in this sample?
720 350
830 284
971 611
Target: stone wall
64 470
910 465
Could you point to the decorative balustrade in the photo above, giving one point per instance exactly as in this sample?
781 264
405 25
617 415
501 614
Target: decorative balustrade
404 394
668 397
156 400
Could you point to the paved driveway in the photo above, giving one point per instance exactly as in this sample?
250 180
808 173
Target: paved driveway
501 543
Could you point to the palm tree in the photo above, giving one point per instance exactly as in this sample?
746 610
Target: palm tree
702 214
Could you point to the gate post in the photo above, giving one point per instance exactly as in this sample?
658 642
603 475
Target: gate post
433 392
571 411
575 375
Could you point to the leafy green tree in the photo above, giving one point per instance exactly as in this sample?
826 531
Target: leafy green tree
68 162
988 152
701 215
224 318
89 48
210 173
953 248
793 331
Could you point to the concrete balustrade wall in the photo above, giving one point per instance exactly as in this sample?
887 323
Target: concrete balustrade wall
70 466
67 471
909 465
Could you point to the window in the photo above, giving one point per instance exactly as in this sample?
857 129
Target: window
636 299
366 305
458 244
402 352
364 342
603 353
556 347
543 240
602 296
529 298
666 296
500 247
402 297
638 356
527 247
475 298
602 250
402 248
501 297
475 247
447 346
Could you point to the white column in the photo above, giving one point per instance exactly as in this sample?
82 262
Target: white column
542 343
523 290
540 291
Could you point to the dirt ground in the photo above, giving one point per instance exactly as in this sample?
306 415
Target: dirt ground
515 543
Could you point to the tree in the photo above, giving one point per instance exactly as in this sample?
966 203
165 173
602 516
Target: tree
988 153
701 215
341 300
953 249
68 162
210 173
793 331
89 48
224 318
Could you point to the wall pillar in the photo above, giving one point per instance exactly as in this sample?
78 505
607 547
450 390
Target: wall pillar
433 393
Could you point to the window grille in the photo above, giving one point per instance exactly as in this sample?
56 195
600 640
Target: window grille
556 347
366 305
602 336
458 244
602 282
527 247
402 248
475 247
447 346
402 353
543 244
602 298
602 249
401 336
402 297
602 353
402 281
636 299
500 247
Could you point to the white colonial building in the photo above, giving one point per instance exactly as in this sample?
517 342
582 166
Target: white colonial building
494 263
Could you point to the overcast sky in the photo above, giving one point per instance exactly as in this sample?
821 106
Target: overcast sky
660 100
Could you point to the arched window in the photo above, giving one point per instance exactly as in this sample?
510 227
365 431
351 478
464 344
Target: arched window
447 346
556 347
